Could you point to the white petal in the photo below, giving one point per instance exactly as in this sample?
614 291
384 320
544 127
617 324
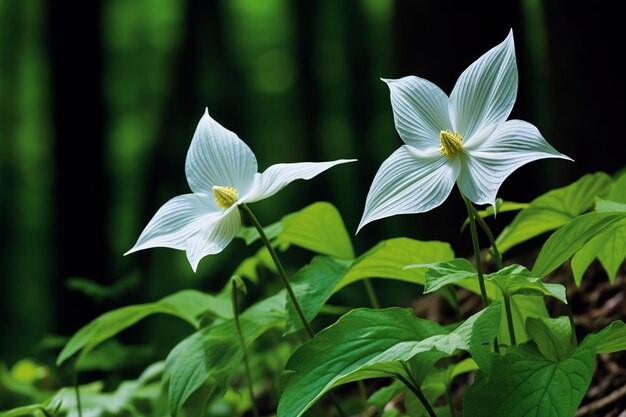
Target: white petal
276 177
420 111
408 182
214 238
485 93
217 156
486 164
176 221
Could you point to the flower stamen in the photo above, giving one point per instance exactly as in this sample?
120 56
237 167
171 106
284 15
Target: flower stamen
225 197
451 143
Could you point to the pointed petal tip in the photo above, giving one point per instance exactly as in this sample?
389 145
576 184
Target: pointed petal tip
206 111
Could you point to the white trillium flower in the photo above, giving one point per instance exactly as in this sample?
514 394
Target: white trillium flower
222 173
464 138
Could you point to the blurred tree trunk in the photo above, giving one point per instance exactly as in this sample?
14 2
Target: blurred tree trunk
81 186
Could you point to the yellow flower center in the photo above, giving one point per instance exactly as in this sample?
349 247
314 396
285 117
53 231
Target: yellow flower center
225 197
450 143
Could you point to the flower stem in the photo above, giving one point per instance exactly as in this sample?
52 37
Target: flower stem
246 363
497 256
415 389
281 271
570 315
479 262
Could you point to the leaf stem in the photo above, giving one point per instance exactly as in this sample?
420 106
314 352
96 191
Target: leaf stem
255 410
281 271
419 394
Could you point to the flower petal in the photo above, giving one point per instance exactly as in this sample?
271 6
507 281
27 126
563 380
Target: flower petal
176 221
217 156
214 238
408 182
485 93
420 111
486 164
276 177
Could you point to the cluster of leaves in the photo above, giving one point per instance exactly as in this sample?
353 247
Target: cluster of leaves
546 372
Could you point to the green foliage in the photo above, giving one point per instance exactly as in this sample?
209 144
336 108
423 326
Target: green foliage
188 305
501 207
555 209
524 382
583 233
374 343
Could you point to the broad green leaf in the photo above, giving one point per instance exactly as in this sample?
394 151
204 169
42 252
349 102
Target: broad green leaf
618 192
553 337
318 228
389 258
188 305
249 266
568 240
614 338
523 307
313 286
554 209
610 249
524 383
214 352
511 280
369 343
501 207
384 395
446 273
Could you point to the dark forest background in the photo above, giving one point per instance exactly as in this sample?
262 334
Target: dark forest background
99 100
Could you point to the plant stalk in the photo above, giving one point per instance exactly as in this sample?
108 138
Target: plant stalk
281 271
479 262
419 394
255 410
77 390
371 294
509 318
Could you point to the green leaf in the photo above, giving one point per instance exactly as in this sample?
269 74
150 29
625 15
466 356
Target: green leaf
553 337
571 238
214 352
28 410
446 273
389 258
188 305
384 395
610 249
618 192
524 383
313 286
318 228
523 307
369 343
615 338
554 209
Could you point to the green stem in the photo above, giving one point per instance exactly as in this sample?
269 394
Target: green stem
479 262
363 395
419 394
281 271
371 294
283 276
246 363
497 256
449 400
509 318
77 391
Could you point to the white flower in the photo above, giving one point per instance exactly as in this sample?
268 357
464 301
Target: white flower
464 138
222 173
